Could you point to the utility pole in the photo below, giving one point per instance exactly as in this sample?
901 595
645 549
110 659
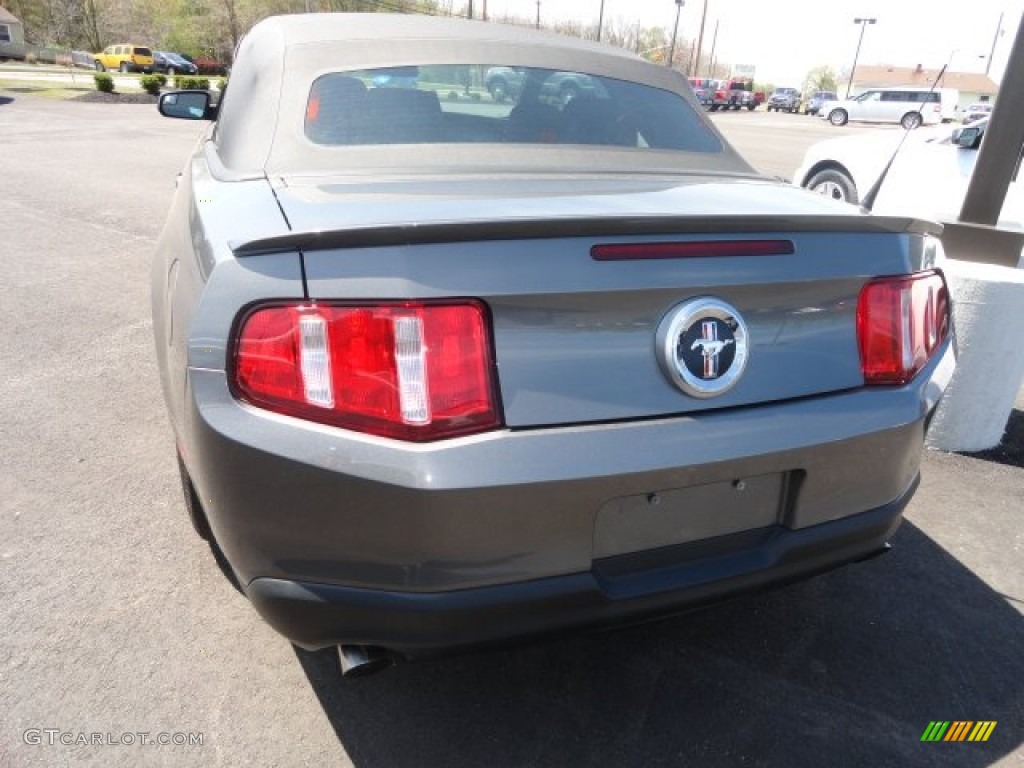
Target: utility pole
675 30
600 21
714 44
538 14
995 39
470 9
700 37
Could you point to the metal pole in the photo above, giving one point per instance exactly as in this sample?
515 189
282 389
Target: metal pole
700 37
863 25
675 29
600 21
538 14
714 42
471 9
1000 152
995 39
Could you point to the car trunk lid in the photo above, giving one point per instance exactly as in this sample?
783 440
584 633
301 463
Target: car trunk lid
576 337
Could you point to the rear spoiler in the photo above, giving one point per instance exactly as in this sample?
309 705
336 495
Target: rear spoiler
380 235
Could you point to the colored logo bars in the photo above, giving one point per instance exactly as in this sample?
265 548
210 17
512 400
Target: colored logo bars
958 730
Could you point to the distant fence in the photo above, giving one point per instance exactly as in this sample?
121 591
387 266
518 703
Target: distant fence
43 55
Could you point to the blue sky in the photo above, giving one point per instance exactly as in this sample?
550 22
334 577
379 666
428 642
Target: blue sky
786 38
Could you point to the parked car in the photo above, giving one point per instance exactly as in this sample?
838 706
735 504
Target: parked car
784 100
125 57
978 111
83 60
928 178
210 66
442 375
507 83
173 64
816 99
703 91
910 107
736 93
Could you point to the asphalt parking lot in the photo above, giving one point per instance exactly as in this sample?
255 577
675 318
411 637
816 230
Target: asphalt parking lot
118 622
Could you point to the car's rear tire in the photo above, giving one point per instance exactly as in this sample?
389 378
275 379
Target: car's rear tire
838 117
193 505
835 184
911 120
202 526
100 67
751 107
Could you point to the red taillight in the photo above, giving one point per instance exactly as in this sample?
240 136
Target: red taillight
412 371
312 109
691 249
901 321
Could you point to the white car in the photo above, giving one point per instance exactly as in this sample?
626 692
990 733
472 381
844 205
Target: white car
908 106
977 111
928 178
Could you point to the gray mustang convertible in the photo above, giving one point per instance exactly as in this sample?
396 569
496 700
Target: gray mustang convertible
446 370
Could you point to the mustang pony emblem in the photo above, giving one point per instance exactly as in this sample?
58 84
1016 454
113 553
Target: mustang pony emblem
710 346
703 346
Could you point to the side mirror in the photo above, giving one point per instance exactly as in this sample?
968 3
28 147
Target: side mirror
967 137
187 105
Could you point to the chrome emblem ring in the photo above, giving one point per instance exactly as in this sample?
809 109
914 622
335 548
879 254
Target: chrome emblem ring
703 346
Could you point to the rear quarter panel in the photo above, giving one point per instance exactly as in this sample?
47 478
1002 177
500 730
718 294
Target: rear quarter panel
198 286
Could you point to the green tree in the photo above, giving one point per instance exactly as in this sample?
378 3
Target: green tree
821 78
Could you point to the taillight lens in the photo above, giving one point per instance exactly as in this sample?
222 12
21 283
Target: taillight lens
410 370
901 321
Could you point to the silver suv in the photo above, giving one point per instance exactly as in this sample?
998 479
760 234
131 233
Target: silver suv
818 98
785 99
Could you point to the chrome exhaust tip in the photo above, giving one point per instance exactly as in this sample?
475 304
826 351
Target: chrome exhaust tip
361 660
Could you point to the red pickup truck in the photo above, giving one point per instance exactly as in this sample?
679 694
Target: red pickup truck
736 93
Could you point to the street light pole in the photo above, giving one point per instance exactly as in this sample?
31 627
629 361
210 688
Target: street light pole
863 24
675 30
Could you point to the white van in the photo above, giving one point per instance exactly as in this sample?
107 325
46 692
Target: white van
909 106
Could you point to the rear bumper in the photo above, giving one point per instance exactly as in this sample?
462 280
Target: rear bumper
349 538
615 590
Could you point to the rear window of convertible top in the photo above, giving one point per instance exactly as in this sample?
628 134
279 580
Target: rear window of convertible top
462 104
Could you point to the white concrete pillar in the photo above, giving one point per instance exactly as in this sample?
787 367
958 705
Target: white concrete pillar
988 313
